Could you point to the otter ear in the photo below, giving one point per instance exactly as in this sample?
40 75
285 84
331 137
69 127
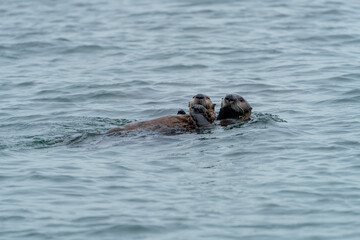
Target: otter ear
181 112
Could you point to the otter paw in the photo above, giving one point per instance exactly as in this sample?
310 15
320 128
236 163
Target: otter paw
198 108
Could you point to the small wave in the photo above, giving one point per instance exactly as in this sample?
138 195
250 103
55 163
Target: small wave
153 13
26 84
182 67
258 119
127 229
196 29
31 45
266 117
353 99
334 38
83 49
344 78
335 12
192 4
69 131
31 34
62 39
55 99
352 93
104 95
79 139
52 178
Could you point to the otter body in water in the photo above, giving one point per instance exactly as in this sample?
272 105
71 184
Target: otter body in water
234 107
202 113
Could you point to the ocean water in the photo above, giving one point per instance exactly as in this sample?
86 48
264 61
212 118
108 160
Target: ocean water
71 70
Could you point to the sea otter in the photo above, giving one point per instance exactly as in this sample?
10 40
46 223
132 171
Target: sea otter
234 107
201 113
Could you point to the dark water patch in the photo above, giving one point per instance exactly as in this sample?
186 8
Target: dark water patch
336 12
190 4
348 143
127 83
55 99
76 98
245 60
34 234
127 229
51 178
92 219
229 52
196 29
176 84
162 55
352 42
84 49
62 39
50 92
352 93
104 95
158 28
33 47
337 40
344 100
154 14
11 218
20 119
181 67
344 78
26 84
31 34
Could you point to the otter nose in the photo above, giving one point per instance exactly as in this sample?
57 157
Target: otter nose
200 96
229 98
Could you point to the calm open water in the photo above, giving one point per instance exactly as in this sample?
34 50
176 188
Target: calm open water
70 70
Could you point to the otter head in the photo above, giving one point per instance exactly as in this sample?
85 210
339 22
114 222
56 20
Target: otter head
234 106
204 100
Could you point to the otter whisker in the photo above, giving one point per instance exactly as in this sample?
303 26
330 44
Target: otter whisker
234 106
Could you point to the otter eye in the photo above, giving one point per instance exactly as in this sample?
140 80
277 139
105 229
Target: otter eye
241 99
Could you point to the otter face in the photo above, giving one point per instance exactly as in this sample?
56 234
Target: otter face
202 99
234 106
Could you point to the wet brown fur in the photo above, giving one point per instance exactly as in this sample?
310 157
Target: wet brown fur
234 106
184 121
206 102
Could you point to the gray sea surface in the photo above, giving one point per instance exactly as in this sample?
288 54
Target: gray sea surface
71 70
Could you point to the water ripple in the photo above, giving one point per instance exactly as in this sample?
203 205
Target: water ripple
71 70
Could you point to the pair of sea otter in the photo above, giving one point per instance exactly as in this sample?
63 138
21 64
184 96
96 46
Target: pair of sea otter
201 114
